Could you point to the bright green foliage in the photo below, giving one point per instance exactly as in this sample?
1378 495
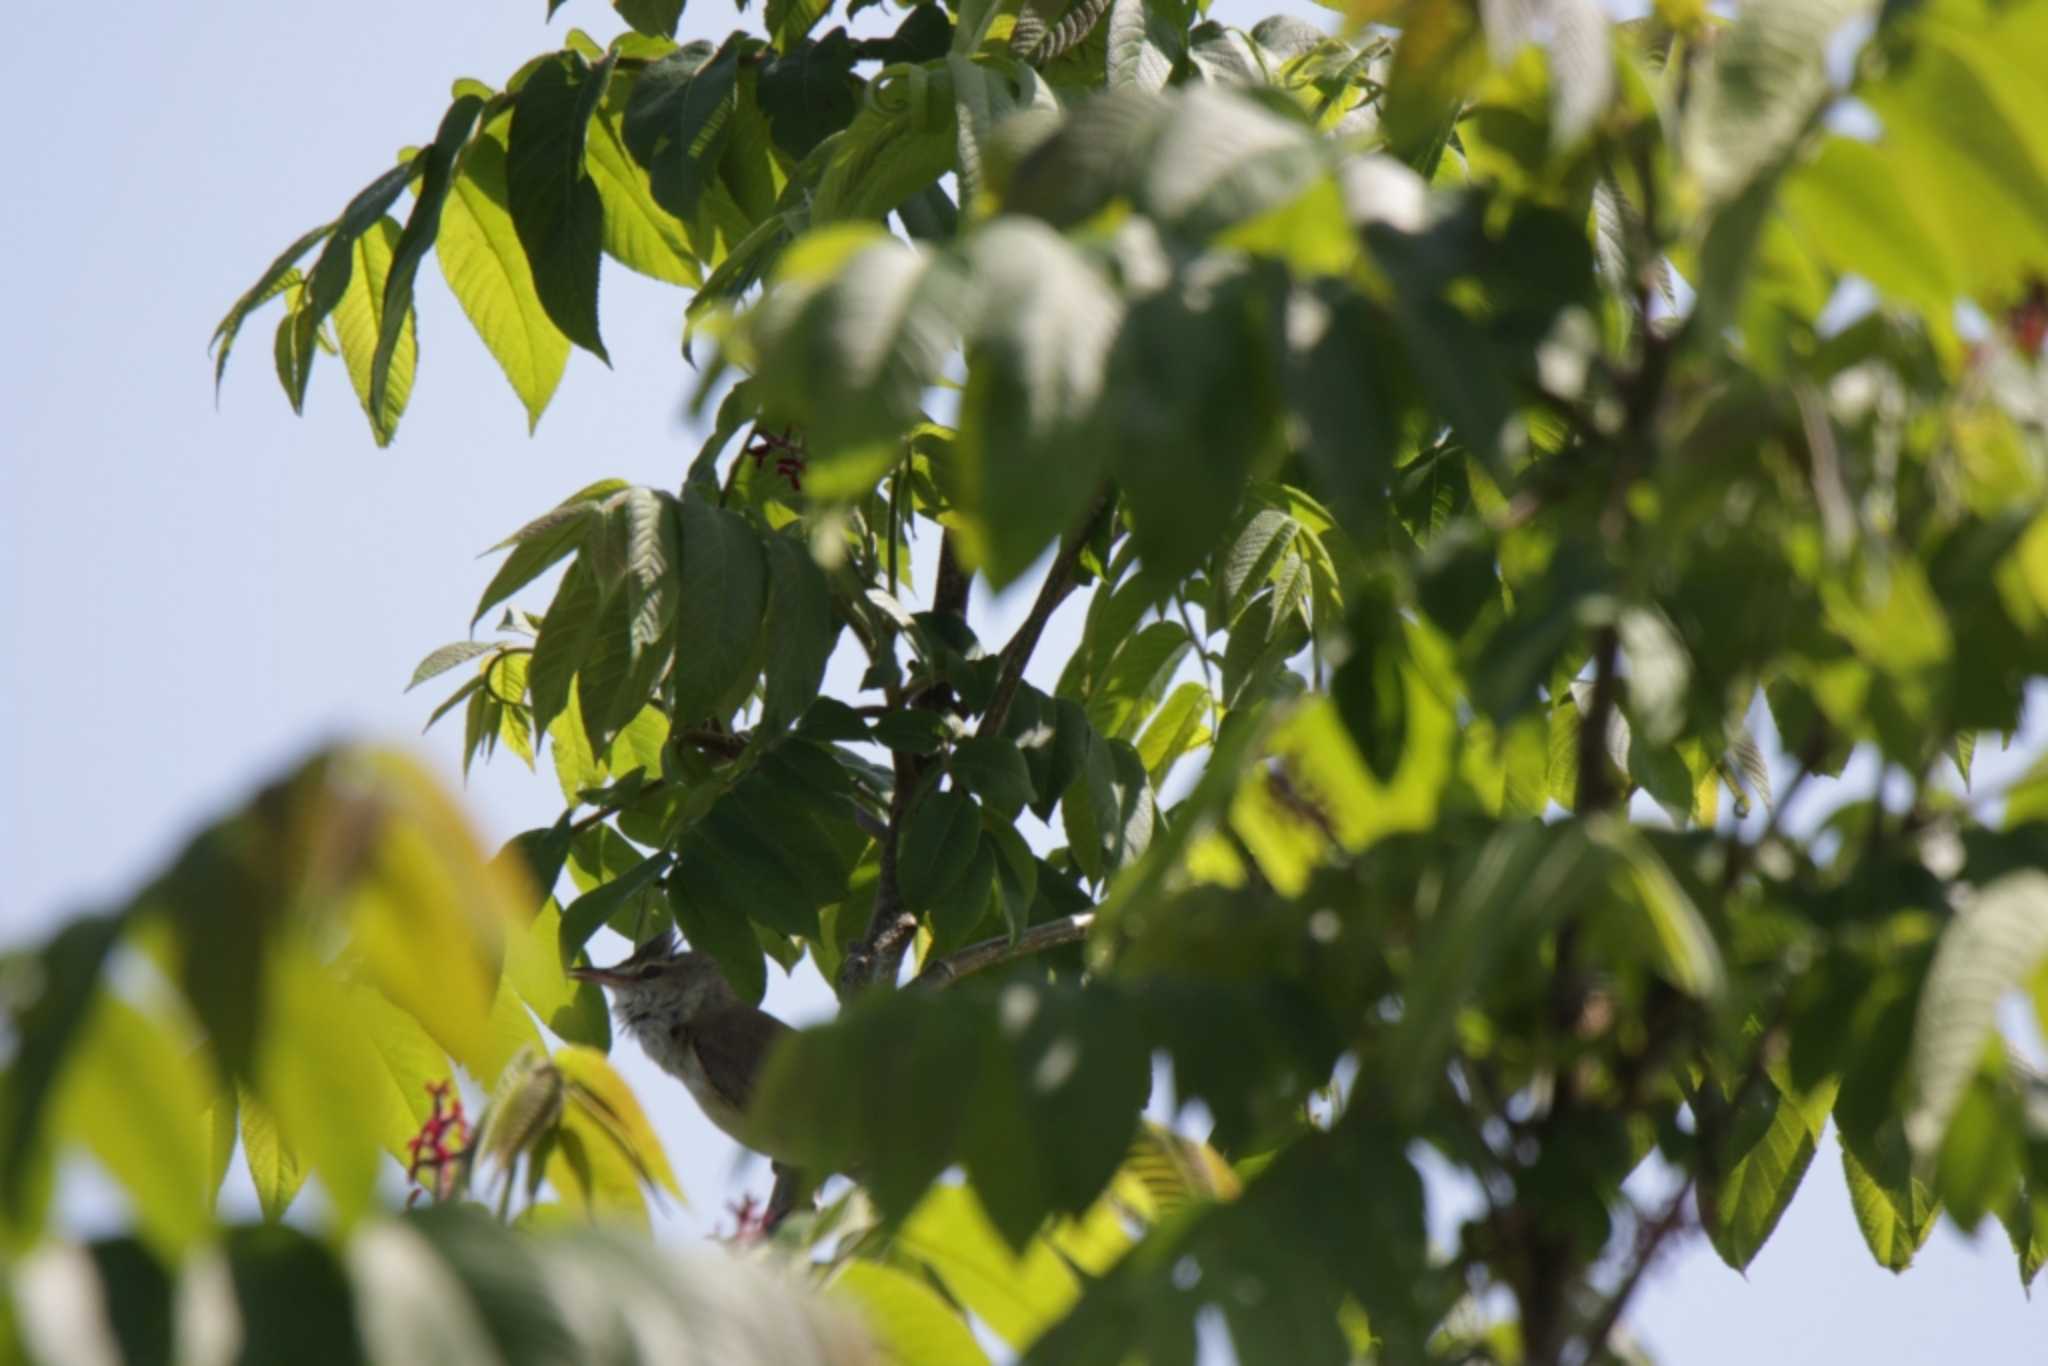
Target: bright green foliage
1507 456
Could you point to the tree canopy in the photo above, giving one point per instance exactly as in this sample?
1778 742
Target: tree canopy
1490 441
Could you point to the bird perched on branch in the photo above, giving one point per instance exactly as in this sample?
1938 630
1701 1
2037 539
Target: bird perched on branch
677 1004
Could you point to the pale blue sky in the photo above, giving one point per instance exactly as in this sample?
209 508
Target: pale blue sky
191 598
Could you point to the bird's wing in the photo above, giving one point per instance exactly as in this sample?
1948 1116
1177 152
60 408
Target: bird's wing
730 1042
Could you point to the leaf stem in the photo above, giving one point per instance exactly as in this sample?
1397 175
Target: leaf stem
943 972
1059 582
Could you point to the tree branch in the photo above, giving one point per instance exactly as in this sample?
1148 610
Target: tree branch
989 953
1059 582
1648 1244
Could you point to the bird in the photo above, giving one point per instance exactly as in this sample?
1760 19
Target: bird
690 1022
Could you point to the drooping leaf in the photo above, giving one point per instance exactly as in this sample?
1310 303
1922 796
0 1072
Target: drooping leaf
422 227
1996 945
486 268
680 119
553 202
721 615
273 281
1032 442
359 323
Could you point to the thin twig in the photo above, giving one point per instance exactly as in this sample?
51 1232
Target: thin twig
1647 1246
1059 582
989 953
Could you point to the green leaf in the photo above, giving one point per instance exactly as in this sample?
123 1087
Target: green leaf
656 18
802 631
487 271
808 91
275 279
939 844
582 917
1499 900
1138 676
273 1166
298 343
1221 159
1996 945
853 328
135 1095
722 613
638 233
554 204
422 226
447 657
1032 447
1765 82
1180 726
359 322
544 541
1109 811
1194 407
993 770
911 1324
680 119
712 912
567 633
48 1024
336 267
294 1300
1741 1206
903 138
1018 1295
1894 1209
1142 46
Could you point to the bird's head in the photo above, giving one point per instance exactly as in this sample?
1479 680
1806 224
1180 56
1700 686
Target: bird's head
661 979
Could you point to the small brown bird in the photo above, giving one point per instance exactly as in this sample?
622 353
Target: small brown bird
686 1018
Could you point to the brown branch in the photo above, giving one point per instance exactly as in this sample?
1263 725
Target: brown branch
1059 582
1648 1244
989 953
1596 791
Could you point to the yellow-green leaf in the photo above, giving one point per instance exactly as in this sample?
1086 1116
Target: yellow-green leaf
910 1323
137 1097
487 270
603 1095
359 320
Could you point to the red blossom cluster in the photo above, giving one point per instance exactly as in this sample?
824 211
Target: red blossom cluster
439 1145
788 453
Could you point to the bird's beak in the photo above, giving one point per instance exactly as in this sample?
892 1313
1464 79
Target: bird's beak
604 977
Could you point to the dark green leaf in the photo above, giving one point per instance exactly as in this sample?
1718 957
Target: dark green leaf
656 18
567 635
295 1300
1194 403
809 91
554 203
421 229
583 917
1032 442
273 281
802 631
993 770
336 266
720 619
939 844
680 119
543 541
45 1026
